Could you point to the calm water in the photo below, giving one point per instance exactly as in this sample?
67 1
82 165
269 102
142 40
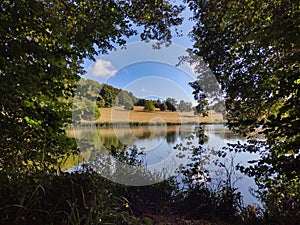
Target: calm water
158 145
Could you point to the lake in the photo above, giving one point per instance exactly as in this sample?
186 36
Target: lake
164 150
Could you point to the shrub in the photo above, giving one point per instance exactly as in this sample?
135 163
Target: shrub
149 106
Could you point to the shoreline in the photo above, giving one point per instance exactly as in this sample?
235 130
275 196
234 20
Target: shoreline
138 117
137 123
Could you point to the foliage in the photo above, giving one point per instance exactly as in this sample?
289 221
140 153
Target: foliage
157 103
219 107
184 106
171 104
86 197
43 44
125 99
253 49
140 102
110 96
100 102
85 106
163 106
200 97
77 198
128 106
149 106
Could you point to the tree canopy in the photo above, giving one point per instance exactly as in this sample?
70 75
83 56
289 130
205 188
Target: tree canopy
42 45
149 106
253 49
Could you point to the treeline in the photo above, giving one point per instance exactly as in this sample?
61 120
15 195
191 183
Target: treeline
92 95
110 96
170 104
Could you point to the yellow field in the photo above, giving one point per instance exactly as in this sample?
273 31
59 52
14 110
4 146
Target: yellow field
118 115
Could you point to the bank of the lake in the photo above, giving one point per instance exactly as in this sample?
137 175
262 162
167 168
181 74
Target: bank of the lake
138 117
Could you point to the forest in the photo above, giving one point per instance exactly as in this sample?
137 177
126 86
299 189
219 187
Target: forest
252 48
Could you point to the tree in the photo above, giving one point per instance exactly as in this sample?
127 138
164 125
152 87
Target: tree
219 107
100 102
163 106
156 103
85 109
43 44
86 101
184 106
128 106
188 106
149 106
253 49
124 99
181 106
171 104
141 102
200 97
109 94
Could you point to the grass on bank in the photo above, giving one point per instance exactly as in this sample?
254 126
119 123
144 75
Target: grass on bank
88 198
139 117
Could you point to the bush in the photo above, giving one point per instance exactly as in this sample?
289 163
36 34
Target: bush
149 106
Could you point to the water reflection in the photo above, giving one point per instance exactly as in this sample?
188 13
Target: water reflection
166 149
157 142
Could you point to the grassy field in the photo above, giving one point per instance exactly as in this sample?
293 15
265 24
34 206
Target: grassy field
138 115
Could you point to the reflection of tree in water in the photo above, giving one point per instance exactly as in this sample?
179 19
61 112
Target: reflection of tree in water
95 143
171 136
198 174
222 132
201 137
109 142
184 132
143 135
227 134
194 171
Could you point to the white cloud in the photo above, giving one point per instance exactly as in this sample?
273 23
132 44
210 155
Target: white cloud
102 68
146 91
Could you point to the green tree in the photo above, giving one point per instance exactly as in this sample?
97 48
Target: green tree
100 101
85 109
140 102
85 103
163 106
201 98
253 49
128 106
42 45
108 93
149 106
171 104
124 99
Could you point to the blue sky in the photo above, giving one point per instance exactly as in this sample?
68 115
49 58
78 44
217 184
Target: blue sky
147 72
150 79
